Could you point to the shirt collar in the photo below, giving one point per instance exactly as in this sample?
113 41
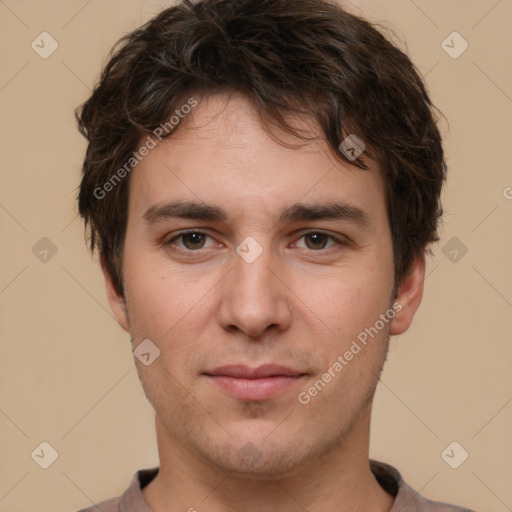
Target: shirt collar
406 498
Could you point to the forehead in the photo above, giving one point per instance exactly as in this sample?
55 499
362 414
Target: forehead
222 153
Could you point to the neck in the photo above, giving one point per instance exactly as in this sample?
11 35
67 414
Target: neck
339 480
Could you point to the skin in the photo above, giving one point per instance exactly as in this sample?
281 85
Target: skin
301 303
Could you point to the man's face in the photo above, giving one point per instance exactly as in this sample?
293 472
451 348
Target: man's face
253 289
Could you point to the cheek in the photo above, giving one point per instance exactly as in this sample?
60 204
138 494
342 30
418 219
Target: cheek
151 312
346 301
166 307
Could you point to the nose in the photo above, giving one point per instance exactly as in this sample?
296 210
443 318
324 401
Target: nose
255 298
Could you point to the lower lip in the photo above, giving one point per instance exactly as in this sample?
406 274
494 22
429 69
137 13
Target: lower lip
255 389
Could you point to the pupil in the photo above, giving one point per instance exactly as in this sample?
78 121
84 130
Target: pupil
195 238
317 237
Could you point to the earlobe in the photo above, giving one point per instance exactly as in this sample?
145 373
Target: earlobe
116 301
409 296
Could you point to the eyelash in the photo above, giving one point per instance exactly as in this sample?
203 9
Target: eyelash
181 234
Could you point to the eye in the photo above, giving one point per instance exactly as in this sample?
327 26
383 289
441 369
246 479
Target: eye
194 240
317 240
191 240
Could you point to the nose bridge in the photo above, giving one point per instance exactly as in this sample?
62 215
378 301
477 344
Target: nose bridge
252 266
253 296
252 278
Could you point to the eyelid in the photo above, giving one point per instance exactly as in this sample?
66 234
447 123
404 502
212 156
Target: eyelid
183 233
339 239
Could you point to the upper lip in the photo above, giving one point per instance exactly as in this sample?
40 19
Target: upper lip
260 372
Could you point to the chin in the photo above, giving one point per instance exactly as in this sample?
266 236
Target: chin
257 457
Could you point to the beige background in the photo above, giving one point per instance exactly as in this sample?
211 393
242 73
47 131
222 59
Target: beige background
68 375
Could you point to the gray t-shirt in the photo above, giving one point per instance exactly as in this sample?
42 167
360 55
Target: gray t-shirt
406 498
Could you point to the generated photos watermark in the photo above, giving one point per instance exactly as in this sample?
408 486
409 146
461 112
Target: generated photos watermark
159 132
305 397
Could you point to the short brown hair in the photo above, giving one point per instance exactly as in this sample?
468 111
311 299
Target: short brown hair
289 58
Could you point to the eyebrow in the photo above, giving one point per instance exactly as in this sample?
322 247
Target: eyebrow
295 212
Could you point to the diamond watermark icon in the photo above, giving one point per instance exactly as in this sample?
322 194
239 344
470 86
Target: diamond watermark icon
454 250
44 455
249 455
44 45
249 249
352 147
454 45
146 352
454 455
44 250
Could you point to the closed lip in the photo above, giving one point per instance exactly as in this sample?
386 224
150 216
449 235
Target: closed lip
254 383
260 372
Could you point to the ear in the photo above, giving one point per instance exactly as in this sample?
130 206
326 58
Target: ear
409 296
116 301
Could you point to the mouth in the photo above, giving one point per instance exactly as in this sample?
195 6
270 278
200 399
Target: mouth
261 383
